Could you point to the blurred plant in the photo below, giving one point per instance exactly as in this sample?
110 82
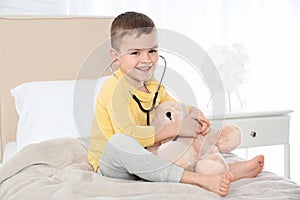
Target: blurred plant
230 62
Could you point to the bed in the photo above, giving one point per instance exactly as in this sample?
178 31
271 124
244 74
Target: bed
43 149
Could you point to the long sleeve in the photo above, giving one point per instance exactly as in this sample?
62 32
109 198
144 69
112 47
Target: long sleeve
126 117
116 112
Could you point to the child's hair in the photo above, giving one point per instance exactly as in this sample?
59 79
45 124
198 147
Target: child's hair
129 23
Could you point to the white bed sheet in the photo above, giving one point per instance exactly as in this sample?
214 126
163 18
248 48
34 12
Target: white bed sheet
9 151
64 173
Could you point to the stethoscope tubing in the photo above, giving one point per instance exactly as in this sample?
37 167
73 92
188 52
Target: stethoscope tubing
147 111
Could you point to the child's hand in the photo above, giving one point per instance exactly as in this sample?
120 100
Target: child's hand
189 127
204 129
199 116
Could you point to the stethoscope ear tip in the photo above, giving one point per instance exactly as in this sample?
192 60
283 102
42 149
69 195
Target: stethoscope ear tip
111 68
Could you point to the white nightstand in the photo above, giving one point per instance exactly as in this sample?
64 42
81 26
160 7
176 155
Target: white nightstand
263 129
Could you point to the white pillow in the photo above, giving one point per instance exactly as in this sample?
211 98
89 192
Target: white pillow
54 109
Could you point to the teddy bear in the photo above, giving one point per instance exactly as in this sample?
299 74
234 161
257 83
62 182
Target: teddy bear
201 153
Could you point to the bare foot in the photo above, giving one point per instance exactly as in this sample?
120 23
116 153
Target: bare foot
247 169
218 184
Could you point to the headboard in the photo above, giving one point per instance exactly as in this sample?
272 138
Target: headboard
42 48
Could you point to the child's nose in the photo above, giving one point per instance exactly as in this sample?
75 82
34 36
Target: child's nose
146 58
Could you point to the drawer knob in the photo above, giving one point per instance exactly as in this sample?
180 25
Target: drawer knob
253 134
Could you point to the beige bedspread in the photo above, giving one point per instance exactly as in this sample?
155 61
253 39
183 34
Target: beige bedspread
58 169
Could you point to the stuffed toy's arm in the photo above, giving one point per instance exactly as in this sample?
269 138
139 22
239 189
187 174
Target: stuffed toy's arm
197 114
171 114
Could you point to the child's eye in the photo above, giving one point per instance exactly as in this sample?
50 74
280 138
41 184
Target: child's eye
134 53
153 51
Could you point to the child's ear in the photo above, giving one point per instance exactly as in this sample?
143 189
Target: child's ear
115 56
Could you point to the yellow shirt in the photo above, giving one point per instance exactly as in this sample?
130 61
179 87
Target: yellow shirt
117 112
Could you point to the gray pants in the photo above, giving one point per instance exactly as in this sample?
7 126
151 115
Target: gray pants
125 158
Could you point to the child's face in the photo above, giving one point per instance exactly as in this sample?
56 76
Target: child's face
137 57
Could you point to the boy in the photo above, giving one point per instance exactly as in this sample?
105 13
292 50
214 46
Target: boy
120 135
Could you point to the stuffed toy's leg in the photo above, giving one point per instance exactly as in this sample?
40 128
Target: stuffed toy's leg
230 138
212 164
226 139
178 153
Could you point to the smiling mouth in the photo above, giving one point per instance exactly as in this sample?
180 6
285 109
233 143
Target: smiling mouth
144 68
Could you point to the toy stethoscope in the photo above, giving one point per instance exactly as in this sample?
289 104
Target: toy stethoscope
147 111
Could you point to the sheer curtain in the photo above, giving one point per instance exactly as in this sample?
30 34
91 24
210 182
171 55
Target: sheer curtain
268 29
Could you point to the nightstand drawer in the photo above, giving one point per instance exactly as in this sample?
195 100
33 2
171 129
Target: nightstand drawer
262 131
